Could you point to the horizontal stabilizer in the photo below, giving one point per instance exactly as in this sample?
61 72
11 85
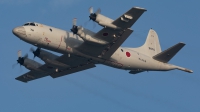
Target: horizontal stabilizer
167 55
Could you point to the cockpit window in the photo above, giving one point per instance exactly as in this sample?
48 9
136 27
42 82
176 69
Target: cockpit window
29 24
32 24
26 24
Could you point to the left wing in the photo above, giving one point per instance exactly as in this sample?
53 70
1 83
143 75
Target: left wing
31 75
75 64
71 70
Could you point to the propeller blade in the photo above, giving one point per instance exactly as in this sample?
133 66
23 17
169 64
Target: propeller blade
74 21
25 56
35 52
38 49
21 69
85 24
98 11
91 10
32 49
14 65
19 53
74 28
94 25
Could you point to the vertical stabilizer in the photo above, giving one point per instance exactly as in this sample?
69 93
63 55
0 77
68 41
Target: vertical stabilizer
152 45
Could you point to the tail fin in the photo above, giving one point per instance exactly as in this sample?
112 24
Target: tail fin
152 45
168 54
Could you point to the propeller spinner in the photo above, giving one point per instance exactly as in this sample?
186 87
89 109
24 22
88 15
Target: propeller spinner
74 27
21 59
93 16
35 52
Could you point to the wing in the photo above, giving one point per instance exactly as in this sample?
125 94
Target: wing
115 37
75 64
72 70
118 37
31 75
129 18
124 22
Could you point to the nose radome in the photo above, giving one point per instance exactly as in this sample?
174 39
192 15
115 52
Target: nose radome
19 32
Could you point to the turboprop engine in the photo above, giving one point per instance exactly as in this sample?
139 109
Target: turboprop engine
101 19
42 54
27 63
48 58
87 35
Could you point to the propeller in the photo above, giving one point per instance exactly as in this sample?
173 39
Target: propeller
35 52
20 59
74 27
93 16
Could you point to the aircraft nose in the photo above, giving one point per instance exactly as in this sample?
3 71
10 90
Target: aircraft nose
19 32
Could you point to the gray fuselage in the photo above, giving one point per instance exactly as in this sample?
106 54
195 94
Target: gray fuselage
64 42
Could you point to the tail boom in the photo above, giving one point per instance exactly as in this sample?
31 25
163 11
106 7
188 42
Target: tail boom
184 69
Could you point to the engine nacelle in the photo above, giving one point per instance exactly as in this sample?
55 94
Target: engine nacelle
102 18
108 25
31 64
105 22
49 58
43 55
88 36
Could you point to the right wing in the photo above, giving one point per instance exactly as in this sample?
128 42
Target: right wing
115 37
129 18
75 64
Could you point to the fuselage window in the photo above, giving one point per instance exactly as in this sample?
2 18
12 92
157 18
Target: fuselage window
50 29
122 50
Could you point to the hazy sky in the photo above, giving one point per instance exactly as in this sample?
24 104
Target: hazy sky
103 88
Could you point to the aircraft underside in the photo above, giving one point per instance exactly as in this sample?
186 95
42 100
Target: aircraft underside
81 48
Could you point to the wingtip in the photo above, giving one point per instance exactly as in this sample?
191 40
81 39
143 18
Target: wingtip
140 8
20 80
182 43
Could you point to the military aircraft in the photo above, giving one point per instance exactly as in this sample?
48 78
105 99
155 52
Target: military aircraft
82 48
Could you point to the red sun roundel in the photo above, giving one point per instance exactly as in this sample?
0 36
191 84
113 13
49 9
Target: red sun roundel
105 34
128 54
